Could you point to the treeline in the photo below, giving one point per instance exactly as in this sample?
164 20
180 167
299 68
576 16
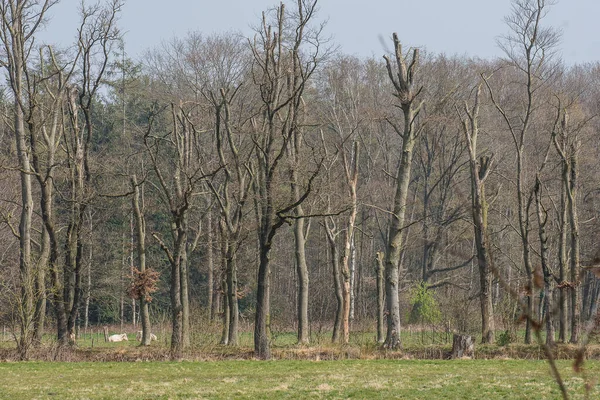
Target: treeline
275 180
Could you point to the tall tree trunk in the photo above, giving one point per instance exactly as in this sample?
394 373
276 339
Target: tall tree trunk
302 272
185 293
176 311
232 299
562 260
140 223
351 170
337 282
575 257
131 266
353 277
403 81
479 211
224 286
542 217
262 345
523 213
226 309
380 297
26 273
210 264
40 289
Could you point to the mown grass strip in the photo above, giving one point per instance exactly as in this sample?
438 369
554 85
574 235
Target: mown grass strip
408 379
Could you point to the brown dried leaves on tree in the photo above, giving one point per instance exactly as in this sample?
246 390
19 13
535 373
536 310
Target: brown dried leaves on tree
143 284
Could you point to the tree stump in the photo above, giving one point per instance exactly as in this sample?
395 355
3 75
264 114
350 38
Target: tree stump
462 346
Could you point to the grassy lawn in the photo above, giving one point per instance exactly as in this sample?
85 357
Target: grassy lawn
407 379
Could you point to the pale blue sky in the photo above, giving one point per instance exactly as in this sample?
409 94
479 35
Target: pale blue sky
451 26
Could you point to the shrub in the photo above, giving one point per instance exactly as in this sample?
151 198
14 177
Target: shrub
505 338
425 308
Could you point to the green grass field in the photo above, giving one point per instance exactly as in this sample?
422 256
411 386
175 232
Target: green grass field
407 379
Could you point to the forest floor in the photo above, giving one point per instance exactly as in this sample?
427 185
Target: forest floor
406 379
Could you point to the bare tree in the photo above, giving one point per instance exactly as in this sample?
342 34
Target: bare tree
232 196
46 138
178 179
20 21
566 144
479 209
402 76
141 275
96 38
281 76
529 47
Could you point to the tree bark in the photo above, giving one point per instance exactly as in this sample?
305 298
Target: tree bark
232 298
403 82
575 251
140 223
210 265
303 279
479 209
380 269
262 347
562 259
351 170
337 281
542 217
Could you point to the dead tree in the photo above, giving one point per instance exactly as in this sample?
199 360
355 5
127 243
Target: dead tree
402 76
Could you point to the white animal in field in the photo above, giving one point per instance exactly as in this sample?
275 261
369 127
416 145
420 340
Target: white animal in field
138 336
118 338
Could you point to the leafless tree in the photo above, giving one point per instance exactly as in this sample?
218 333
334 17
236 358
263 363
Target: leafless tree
530 48
402 75
20 21
281 75
480 170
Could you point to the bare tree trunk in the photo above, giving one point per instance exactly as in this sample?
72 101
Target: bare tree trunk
140 223
380 269
562 260
211 267
542 216
353 278
88 290
337 281
40 289
262 347
224 287
351 170
302 272
26 274
184 285
176 311
575 257
131 266
232 299
479 209
403 81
